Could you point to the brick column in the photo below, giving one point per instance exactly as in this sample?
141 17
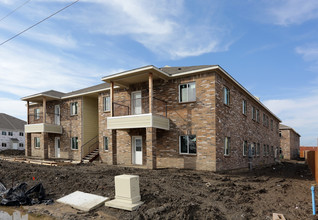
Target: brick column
151 148
114 146
28 112
44 110
44 143
28 144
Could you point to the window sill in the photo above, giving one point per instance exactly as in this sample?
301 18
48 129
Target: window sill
227 155
74 149
227 105
189 102
185 154
74 115
108 111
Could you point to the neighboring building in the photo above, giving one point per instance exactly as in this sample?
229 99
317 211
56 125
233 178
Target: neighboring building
195 117
12 133
303 150
289 142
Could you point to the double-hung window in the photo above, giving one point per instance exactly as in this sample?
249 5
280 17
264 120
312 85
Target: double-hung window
188 144
253 113
4 144
106 143
74 143
106 104
227 148
10 133
21 134
4 133
226 97
258 149
20 144
187 92
257 115
245 148
37 113
244 106
36 142
74 107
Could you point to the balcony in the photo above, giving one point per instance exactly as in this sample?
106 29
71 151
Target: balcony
135 113
37 124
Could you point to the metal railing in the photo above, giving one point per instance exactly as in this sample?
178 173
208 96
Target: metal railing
90 145
139 106
50 118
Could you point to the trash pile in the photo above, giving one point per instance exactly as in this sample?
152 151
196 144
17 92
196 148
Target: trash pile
19 195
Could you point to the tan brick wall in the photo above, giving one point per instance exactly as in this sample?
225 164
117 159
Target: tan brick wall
231 122
289 142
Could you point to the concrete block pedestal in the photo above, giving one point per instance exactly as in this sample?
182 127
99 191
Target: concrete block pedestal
127 193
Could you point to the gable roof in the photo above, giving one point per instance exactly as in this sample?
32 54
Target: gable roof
183 69
285 127
11 123
88 90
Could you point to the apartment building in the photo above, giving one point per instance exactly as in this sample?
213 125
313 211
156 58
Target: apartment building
196 117
12 132
289 142
63 125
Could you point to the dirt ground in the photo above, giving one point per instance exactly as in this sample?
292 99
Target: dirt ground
172 193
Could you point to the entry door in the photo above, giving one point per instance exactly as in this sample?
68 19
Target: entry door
57 147
136 103
15 146
137 150
57 115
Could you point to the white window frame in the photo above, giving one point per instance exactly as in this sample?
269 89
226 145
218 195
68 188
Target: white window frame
244 107
106 103
73 147
226 96
188 144
74 107
106 143
37 142
180 95
245 148
36 113
227 146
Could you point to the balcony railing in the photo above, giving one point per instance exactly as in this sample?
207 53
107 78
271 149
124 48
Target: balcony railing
51 118
139 106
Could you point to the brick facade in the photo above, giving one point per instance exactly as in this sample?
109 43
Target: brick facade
207 118
289 142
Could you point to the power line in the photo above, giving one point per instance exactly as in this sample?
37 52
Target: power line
38 22
15 10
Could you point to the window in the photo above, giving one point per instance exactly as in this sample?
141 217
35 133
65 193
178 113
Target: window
187 92
280 134
244 106
272 124
74 106
227 142
258 149
253 113
226 97
36 142
10 133
264 150
106 143
245 148
272 150
37 113
21 134
257 115
253 149
106 102
265 120
4 133
267 150
74 143
20 144
4 144
188 144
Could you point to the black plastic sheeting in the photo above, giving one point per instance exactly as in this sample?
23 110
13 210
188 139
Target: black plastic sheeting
19 195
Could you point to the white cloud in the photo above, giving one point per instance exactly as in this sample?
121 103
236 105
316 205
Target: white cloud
301 114
288 12
13 107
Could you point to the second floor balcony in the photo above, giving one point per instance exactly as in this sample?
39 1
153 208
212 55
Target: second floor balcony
137 113
47 122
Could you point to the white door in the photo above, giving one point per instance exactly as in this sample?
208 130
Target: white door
136 103
57 115
15 146
137 150
57 147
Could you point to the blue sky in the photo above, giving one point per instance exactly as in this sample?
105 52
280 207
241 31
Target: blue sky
270 47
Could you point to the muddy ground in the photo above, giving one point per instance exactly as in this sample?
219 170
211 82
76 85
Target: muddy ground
175 194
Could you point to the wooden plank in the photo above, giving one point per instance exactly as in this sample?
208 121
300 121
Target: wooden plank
277 216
